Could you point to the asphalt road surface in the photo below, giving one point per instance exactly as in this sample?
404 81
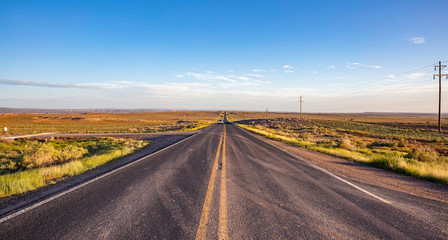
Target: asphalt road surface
225 183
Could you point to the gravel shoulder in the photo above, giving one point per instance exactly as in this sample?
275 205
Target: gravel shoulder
367 174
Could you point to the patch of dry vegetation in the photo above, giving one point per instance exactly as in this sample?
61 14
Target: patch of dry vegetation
108 122
27 165
419 152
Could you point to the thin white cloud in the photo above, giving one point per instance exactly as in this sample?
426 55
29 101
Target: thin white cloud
210 77
332 66
228 81
391 76
352 65
315 72
44 84
217 93
288 69
416 75
242 78
180 76
128 82
254 75
258 70
417 40
273 70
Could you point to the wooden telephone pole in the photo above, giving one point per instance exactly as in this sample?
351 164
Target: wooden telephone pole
440 75
300 101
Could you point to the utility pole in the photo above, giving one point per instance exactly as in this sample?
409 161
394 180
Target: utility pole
440 75
300 101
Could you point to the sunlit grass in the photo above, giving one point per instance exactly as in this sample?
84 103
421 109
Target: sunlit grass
420 162
33 178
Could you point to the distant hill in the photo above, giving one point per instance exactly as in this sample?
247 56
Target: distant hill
71 111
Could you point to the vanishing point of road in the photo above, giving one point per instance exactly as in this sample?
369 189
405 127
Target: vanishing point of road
226 183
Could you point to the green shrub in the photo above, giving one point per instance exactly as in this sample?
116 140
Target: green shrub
70 153
359 143
346 143
403 143
425 154
385 161
43 154
39 156
306 136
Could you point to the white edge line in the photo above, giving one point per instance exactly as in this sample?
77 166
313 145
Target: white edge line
40 203
323 170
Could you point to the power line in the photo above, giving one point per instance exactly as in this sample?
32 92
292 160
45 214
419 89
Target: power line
413 85
384 92
405 87
440 75
380 80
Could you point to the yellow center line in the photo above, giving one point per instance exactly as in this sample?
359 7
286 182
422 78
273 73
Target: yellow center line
222 230
202 229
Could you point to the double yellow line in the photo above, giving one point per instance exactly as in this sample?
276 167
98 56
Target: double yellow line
222 228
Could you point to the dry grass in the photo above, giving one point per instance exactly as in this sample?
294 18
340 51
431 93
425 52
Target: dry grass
82 156
402 147
107 122
411 118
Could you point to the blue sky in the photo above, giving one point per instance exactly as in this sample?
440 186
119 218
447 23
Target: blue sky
342 56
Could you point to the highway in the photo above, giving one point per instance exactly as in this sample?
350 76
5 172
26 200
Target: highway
225 183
